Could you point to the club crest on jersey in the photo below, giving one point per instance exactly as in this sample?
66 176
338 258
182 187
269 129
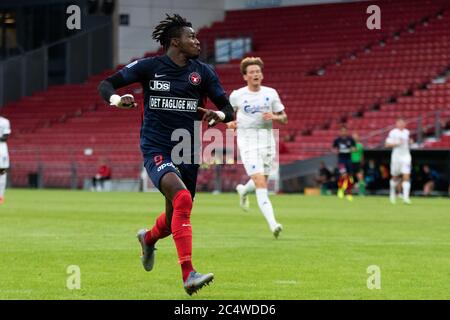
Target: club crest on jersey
195 79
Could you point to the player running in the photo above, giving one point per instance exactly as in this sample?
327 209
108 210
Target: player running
399 140
257 107
175 88
5 131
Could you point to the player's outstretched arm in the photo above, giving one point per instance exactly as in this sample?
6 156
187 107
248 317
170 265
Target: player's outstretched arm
225 113
107 90
211 116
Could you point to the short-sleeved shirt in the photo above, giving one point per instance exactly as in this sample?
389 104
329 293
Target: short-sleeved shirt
172 95
358 154
251 105
401 152
344 146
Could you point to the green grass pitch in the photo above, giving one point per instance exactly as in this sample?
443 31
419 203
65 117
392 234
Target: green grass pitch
323 253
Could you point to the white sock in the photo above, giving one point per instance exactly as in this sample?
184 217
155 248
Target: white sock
393 185
262 195
392 189
406 186
2 184
249 186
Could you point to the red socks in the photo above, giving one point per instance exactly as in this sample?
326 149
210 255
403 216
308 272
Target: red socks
182 231
160 230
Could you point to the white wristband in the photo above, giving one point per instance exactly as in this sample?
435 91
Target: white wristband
221 115
114 100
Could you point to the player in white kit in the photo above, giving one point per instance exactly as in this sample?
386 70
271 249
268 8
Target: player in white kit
399 140
5 131
257 106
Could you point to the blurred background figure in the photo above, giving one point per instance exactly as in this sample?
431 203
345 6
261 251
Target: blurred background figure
429 179
357 157
343 145
399 140
5 131
372 175
102 176
345 184
324 179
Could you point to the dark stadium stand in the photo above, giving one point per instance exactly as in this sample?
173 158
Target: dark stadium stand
359 77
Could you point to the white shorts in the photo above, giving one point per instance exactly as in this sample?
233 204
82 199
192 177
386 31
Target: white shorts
258 160
400 167
257 150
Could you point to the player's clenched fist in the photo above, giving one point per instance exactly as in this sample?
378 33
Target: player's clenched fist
211 116
124 102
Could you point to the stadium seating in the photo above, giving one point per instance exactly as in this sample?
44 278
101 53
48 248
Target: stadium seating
444 143
361 70
365 78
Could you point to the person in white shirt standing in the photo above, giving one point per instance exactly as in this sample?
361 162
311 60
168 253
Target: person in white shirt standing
257 107
399 140
5 131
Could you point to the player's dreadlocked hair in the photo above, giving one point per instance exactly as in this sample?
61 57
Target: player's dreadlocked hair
169 28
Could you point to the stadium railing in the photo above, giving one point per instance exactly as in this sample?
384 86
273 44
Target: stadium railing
430 124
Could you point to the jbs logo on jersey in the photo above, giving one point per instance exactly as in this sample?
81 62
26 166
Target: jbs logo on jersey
156 85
